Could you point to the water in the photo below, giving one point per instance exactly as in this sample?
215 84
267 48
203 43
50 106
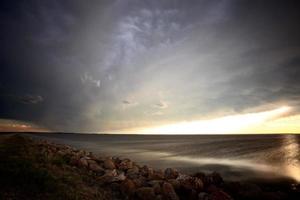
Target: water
236 157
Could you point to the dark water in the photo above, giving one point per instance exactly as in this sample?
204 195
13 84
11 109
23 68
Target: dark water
236 157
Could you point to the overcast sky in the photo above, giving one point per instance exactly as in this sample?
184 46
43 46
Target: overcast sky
100 66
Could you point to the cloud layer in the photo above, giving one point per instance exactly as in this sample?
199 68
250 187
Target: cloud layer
110 65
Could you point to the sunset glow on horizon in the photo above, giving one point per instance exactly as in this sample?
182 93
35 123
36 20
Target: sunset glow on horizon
243 123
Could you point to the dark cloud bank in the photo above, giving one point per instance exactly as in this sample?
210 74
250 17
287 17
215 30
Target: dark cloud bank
100 65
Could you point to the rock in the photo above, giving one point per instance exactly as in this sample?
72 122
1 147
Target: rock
134 169
133 173
140 181
116 160
171 173
192 194
273 196
50 154
154 182
115 186
120 177
91 155
159 197
157 189
219 195
95 167
110 177
105 179
145 193
127 187
146 171
156 185
90 161
111 172
200 175
203 196
81 153
100 158
109 164
212 188
125 164
175 183
82 162
214 179
189 183
156 175
61 153
249 191
169 192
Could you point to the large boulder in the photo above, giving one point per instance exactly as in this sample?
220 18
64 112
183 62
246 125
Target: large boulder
82 162
169 192
109 164
145 193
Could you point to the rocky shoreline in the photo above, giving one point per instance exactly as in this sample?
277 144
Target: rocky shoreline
116 178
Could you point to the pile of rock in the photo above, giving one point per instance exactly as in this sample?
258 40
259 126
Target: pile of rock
133 181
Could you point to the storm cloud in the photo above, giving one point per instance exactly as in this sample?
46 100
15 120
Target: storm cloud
109 65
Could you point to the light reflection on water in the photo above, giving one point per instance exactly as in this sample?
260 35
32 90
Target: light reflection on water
290 147
235 156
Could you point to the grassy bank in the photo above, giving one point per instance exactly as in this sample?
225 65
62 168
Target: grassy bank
27 173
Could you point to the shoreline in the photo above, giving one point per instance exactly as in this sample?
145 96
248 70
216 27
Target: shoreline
118 178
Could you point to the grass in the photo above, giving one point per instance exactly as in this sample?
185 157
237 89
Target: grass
25 173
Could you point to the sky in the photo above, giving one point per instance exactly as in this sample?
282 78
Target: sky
120 66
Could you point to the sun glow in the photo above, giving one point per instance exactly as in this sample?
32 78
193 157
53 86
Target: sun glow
228 124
